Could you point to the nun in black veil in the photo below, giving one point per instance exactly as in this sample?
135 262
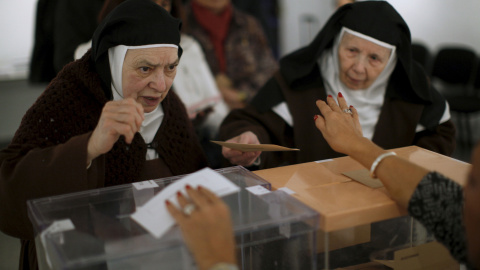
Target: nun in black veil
106 119
363 53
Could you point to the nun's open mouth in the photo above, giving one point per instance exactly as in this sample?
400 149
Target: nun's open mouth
151 101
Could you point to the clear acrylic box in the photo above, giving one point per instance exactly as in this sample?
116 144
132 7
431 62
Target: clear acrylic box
93 229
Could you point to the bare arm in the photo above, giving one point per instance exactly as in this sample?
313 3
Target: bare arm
399 176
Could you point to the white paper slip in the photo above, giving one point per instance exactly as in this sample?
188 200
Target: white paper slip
154 216
145 184
258 190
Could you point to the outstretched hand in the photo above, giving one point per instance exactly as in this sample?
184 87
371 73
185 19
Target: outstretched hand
207 230
340 128
242 158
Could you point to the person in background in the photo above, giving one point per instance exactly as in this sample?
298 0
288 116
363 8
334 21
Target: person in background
235 47
75 22
106 119
41 68
266 12
363 53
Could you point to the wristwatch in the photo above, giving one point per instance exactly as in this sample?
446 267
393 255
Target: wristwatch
224 266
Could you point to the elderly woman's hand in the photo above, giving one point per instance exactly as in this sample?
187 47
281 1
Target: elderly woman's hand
207 230
242 158
341 129
118 118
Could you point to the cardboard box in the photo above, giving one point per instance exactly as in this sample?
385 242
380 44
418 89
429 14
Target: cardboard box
347 208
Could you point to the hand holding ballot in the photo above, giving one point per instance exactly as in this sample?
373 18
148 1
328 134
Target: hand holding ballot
237 157
207 228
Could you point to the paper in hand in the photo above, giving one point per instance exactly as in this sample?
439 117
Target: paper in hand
154 216
244 147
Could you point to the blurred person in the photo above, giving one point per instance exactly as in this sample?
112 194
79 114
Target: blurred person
363 53
235 47
106 119
74 23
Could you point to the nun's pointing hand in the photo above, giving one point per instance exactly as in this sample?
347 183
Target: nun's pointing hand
122 117
339 124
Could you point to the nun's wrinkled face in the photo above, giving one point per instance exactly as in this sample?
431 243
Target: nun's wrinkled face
148 74
361 61
471 212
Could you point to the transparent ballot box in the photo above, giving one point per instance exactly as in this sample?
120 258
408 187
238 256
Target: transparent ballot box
94 229
358 222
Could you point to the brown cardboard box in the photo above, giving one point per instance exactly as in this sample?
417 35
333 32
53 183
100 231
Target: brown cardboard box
344 203
429 256
347 207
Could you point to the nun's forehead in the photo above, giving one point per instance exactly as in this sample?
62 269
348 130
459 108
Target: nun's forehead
154 56
347 31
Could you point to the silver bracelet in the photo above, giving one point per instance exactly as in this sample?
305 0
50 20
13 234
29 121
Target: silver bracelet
224 266
377 161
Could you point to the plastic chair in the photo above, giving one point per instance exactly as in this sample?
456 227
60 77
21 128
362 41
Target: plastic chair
421 54
457 69
454 66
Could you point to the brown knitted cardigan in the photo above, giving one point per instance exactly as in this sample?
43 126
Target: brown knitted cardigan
72 105
47 155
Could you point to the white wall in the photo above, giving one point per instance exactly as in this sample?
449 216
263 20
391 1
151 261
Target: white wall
433 22
442 22
17 19
294 31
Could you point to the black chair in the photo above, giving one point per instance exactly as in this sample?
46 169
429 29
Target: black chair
421 54
454 70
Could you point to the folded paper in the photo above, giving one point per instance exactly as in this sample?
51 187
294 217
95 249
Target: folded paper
244 147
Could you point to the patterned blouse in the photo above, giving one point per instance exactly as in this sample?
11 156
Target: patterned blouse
250 60
438 204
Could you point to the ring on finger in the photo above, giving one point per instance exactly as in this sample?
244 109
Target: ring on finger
347 111
189 208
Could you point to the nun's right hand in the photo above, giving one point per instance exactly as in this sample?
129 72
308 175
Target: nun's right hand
242 158
118 118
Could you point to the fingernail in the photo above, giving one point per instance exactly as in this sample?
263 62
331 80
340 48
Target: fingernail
167 202
179 194
315 117
330 96
351 106
188 187
199 187
340 94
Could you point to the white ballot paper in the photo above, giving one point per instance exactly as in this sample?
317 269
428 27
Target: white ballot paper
154 216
